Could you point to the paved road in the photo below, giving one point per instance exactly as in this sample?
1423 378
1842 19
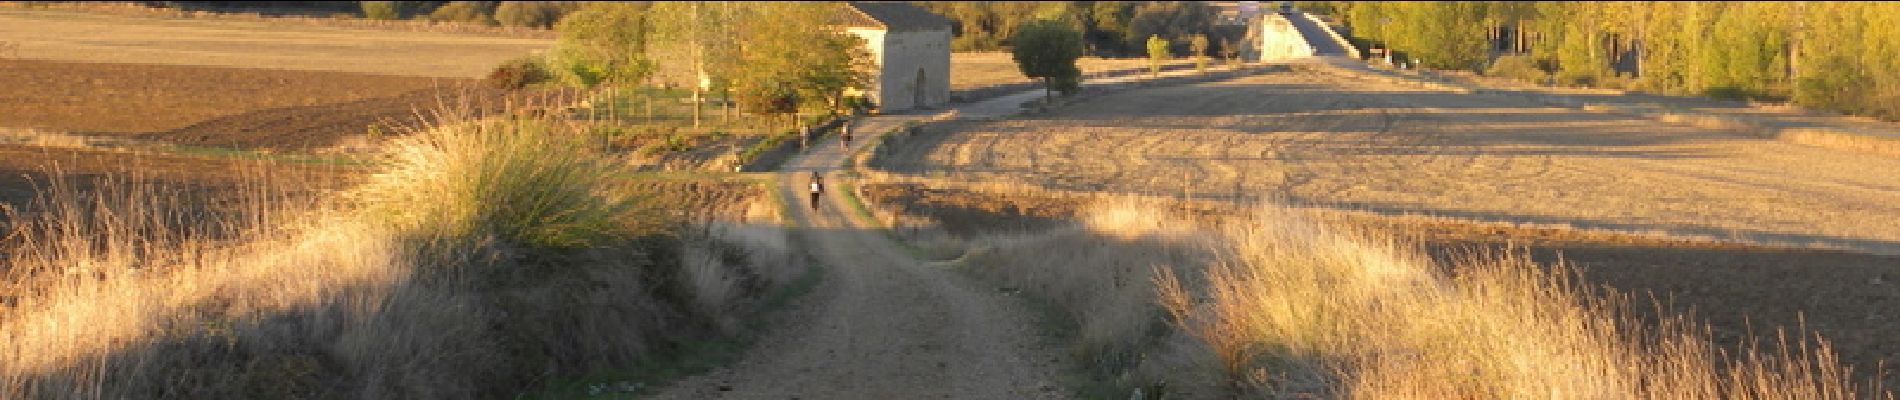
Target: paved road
1323 45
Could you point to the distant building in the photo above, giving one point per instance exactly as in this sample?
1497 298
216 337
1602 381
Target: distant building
1234 13
911 48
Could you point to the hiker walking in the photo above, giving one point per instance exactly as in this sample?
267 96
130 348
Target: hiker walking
844 135
817 189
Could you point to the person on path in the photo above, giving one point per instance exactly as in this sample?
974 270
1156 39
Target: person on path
804 136
844 135
817 189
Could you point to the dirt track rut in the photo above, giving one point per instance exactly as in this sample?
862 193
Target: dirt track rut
883 325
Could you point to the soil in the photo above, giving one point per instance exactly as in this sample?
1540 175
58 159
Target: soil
276 110
141 98
1738 290
882 324
24 170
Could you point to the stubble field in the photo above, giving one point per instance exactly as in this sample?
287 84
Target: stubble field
1719 224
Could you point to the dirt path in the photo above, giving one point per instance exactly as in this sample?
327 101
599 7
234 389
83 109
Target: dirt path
883 325
1333 140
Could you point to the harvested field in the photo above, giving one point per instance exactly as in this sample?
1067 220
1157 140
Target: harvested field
217 106
702 198
75 36
1721 283
23 169
137 98
1319 139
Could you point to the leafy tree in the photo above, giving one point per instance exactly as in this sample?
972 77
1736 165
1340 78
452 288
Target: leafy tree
796 57
1843 56
1157 53
602 43
700 33
1047 50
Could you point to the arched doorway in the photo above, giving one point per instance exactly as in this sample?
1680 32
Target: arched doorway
917 90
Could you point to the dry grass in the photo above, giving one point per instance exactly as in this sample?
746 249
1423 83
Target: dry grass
1277 306
491 257
70 36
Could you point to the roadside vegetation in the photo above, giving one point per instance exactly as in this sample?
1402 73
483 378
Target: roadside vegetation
488 257
1823 55
1279 306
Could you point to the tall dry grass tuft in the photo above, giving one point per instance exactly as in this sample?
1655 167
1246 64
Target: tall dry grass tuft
1280 306
487 258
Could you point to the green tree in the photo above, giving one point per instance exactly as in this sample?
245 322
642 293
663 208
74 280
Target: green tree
797 56
1047 50
701 34
1157 53
602 43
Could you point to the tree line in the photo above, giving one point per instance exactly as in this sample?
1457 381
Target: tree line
792 64
1837 56
1108 28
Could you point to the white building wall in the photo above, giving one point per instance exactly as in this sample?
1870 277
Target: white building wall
899 57
1280 41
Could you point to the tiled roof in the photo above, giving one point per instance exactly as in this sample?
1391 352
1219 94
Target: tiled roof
893 16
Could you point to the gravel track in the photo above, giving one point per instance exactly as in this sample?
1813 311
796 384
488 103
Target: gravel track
883 325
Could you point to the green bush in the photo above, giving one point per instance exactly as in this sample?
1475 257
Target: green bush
1520 67
382 10
518 73
1067 83
533 14
521 182
480 12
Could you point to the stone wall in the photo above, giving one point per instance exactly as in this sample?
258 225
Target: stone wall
901 58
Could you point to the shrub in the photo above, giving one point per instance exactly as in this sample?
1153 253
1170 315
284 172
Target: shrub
513 179
382 10
1067 83
480 12
1520 67
1281 306
534 14
518 73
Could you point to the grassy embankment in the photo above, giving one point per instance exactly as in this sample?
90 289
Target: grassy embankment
485 258
1279 306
